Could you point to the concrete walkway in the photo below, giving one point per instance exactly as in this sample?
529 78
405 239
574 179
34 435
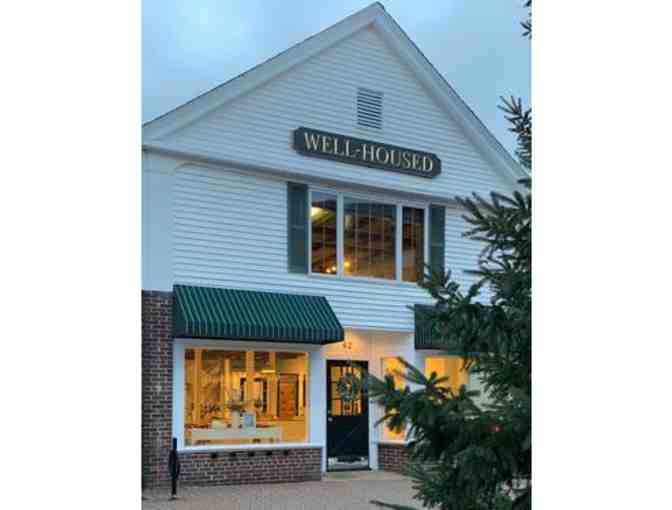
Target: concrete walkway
345 490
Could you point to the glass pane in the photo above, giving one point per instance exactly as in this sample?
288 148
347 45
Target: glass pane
393 367
450 366
336 407
245 397
323 233
369 244
413 244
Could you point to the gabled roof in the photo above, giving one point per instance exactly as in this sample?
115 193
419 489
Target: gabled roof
376 15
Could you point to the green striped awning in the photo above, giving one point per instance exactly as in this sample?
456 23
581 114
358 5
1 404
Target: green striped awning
209 312
426 332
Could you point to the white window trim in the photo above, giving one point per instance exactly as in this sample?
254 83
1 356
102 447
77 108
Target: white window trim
179 347
398 256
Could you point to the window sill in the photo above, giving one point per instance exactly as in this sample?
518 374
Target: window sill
247 447
363 279
395 442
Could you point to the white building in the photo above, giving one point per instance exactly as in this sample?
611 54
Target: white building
286 217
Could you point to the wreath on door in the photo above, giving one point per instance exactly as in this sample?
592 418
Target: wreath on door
350 387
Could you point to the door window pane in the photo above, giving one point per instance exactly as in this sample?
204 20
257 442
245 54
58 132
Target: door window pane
245 397
323 233
413 244
370 233
338 406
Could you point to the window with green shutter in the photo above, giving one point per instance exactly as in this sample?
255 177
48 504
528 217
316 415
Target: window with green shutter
352 235
297 227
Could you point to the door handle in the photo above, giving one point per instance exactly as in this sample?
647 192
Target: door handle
330 419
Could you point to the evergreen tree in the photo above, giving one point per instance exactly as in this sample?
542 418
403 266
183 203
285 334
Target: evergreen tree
466 457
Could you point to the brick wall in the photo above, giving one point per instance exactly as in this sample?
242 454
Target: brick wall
157 386
258 466
393 457
198 468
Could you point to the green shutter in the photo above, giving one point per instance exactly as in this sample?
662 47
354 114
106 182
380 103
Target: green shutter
437 237
297 227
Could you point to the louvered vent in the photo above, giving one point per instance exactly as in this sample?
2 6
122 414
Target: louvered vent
369 108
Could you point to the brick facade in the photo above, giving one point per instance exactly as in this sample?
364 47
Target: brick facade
157 386
393 457
251 466
198 468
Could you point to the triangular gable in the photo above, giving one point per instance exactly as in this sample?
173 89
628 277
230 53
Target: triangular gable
159 134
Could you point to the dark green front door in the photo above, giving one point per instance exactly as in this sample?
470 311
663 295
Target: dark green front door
347 422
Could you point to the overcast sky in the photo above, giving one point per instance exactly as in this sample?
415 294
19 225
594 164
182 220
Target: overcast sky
189 47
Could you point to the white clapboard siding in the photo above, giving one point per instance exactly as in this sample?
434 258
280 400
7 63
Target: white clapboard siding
230 230
321 93
461 253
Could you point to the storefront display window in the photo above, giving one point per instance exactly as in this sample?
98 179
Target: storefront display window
245 397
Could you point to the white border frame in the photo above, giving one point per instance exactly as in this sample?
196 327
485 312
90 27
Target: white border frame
179 347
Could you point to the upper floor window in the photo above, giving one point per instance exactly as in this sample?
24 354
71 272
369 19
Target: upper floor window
361 237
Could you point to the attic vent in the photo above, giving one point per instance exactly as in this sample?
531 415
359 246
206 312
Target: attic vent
369 108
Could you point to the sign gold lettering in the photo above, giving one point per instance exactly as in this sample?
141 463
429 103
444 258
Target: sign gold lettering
312 140
337 141
406 157
384 158
416 162
393 153
326 147
427 164
367 150
355 151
